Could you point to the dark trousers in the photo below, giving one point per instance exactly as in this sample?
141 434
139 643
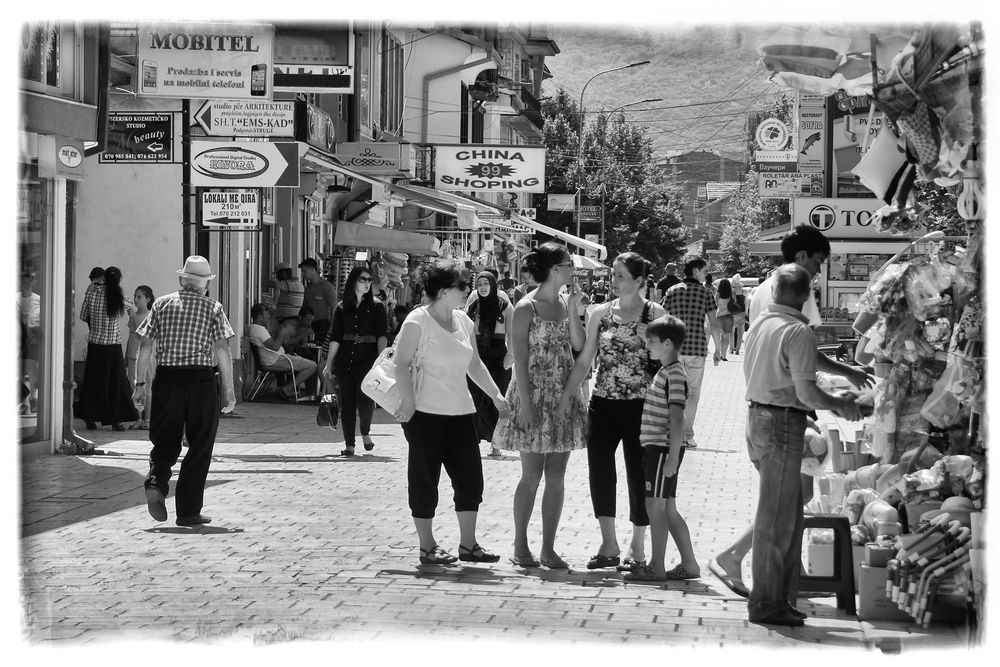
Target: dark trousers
353 400
185 402
487 415
448 440
613 421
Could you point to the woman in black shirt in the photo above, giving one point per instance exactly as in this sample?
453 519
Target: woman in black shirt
359 333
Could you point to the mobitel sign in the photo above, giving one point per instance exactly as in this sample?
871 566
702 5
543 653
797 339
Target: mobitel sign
839 218
261 164
489 168
205 60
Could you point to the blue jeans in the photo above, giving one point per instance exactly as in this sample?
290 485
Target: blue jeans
774 442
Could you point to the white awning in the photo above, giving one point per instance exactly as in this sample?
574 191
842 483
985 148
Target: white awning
602 252
353 234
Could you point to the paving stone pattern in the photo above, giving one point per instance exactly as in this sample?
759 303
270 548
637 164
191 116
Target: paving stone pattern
305 544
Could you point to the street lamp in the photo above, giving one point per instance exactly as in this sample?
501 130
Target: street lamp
631 104
579 139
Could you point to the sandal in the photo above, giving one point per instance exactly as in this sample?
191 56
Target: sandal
600 561
556 563
436 556
523 561
644 573
476 554
629 564
678 573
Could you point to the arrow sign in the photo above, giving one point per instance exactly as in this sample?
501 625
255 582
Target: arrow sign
230 209
236 118
261 164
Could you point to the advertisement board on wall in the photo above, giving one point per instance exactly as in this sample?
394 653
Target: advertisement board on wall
811 144
231 210
262 164
489 168
236 118
138 137
204 60
842 218
782 185
315 58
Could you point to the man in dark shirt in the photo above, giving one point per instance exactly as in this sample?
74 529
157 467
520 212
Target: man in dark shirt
507 282
320 296
667 281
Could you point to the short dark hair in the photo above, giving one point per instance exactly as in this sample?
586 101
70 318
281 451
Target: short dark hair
96 272
803 237
309 262
692 265
256 311
667 327
306 310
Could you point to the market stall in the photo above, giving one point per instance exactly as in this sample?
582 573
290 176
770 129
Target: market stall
912 477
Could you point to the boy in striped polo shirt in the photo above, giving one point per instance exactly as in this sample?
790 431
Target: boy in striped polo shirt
662 435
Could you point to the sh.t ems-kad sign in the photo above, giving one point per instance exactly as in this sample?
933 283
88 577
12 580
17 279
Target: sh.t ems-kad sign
489 168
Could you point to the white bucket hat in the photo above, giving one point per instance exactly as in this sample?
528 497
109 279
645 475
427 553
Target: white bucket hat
196 266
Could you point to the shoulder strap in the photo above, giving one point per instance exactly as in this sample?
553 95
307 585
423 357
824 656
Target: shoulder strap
644 318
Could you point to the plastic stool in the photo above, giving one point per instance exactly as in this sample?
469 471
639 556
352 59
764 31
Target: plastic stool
842 580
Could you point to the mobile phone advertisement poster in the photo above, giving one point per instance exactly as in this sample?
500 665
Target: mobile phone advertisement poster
205 60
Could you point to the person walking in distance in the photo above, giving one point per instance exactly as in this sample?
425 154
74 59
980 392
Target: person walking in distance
492 316
320 296
690 301
190 333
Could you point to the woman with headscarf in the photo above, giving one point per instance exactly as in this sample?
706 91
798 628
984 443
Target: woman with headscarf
492 315
105 393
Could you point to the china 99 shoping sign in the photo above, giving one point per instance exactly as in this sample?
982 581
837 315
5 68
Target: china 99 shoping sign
489 168
205 60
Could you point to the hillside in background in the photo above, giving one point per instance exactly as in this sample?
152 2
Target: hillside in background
690 65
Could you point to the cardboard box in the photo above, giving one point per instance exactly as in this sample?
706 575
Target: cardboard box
819 560
873 605
878 556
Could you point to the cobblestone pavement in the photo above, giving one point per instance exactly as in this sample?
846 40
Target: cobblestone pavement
306 544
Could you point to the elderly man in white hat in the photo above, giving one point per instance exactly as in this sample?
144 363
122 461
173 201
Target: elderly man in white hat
190 331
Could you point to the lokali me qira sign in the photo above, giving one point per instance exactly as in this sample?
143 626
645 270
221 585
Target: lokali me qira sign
205 60
481 168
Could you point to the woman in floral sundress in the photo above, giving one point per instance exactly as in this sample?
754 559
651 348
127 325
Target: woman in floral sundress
624 371
544 328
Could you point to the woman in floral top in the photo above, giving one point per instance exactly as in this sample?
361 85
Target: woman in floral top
624 371
544 327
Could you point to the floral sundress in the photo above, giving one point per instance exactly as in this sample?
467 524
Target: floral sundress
549 364
623 365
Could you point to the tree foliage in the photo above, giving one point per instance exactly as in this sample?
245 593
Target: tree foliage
745 216
616 166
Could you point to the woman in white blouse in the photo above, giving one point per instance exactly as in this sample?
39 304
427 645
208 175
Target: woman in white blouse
439 415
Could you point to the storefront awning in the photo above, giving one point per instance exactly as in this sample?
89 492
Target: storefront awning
382 238
602 252
765 247
486 213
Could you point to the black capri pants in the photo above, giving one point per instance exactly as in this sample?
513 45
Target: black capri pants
451 441
613 421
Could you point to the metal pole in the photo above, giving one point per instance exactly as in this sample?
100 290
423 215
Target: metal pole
188 228
69 434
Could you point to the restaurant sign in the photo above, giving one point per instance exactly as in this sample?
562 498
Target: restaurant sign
490 168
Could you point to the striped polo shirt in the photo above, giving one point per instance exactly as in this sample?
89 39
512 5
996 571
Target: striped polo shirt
669 387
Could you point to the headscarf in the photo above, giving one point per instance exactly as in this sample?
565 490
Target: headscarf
489 309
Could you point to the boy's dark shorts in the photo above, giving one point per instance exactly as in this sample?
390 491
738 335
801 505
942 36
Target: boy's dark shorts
658 486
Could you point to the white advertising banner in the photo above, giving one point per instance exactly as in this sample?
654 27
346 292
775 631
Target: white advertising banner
234 118
261 164
841 218
231 209
783 185
561 203
489 168
205 60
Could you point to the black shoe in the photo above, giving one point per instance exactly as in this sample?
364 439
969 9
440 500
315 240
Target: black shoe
154 502
347 452
193 520
780 617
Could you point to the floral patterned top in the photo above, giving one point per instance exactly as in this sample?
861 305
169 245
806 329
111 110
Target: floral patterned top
549 364
623 368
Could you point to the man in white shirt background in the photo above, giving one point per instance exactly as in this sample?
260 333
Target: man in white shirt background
272 354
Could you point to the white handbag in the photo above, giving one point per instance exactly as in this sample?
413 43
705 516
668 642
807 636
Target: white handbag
380 382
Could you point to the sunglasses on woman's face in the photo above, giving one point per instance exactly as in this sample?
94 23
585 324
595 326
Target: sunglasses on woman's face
364 279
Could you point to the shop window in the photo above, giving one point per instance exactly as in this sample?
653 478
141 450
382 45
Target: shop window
34 210
40 53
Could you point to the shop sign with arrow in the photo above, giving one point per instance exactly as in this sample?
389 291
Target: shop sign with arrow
141 138
230 210
238 118
260 164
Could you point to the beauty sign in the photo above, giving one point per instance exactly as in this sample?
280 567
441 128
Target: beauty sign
490 168
205 60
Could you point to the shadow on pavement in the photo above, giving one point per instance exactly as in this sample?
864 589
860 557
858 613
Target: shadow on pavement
328 458
193 530
468 575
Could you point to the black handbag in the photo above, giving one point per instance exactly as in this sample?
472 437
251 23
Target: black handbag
329 411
